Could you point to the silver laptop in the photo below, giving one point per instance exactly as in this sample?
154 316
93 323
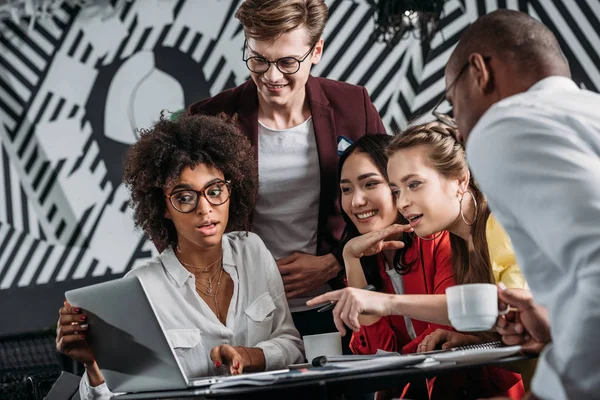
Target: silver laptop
128 340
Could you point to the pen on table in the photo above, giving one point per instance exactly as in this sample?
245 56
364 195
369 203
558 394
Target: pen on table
331 306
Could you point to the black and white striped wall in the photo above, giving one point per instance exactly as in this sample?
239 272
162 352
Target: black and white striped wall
75 87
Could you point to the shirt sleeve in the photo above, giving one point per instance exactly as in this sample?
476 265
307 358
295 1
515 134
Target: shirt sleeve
542 178
502 256
87 392
284 346
371 338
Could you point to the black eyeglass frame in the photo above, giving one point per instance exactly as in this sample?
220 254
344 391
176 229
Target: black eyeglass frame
444 117
201 193
276 62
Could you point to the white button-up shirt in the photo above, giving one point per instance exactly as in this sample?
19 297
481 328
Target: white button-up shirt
536 156
258 314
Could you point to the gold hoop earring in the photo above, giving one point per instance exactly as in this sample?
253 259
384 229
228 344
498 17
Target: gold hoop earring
462 215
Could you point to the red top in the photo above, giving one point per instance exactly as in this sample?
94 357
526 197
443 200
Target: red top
432 276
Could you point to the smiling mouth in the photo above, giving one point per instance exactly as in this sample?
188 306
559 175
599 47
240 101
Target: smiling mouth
366 215
414 218
271 86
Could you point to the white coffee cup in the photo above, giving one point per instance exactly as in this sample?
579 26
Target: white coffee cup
324 344
473 307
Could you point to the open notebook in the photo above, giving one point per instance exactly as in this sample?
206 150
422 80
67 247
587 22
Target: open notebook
481 346
324 360
472 353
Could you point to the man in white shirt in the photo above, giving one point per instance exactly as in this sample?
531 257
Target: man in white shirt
534 146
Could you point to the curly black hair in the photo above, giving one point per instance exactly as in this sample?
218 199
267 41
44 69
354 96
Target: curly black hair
157 159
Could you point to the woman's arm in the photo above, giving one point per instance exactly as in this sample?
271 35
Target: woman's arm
92 385
94 375
356 278
424 307
365 245
253 358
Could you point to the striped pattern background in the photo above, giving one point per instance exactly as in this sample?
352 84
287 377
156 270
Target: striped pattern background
64 216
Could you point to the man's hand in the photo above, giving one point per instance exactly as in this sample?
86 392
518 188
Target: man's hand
529 326
352 302
303 272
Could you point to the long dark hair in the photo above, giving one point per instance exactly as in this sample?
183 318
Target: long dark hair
471 261
374 146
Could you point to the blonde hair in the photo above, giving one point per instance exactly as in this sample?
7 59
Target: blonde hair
269 19
471 260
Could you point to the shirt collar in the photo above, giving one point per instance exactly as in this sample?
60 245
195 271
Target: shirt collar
553 83
178 272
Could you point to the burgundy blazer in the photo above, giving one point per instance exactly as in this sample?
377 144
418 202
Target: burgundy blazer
337 108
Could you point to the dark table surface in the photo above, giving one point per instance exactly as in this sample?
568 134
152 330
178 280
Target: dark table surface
345 385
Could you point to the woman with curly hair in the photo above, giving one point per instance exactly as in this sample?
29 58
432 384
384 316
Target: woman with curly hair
218 292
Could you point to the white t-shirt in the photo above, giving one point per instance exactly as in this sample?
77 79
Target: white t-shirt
258 314
287 211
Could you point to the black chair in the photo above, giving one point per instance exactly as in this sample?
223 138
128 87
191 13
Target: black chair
29 365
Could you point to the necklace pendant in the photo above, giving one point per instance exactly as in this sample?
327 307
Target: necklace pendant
209 290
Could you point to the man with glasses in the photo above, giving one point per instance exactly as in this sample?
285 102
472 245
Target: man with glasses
294 121
533 144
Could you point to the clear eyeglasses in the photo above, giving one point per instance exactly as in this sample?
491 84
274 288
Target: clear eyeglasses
285 65
186 200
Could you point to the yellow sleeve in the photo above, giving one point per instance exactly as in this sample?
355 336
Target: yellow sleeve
502 256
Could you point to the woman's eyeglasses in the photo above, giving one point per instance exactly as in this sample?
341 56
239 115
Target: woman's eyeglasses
186 200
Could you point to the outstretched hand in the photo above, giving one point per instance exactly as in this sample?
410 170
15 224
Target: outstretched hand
376 241
352 302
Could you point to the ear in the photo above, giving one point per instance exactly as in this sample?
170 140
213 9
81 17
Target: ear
318 51
483 73
168 213
463 182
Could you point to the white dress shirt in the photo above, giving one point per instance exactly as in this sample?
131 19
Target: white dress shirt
536 156
258 314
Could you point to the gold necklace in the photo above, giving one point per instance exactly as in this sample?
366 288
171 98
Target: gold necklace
204 269
214 296
210 278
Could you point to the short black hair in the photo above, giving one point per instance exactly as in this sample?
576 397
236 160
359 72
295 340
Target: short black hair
515 37
157 159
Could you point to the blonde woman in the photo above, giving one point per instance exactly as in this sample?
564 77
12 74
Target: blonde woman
434 191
